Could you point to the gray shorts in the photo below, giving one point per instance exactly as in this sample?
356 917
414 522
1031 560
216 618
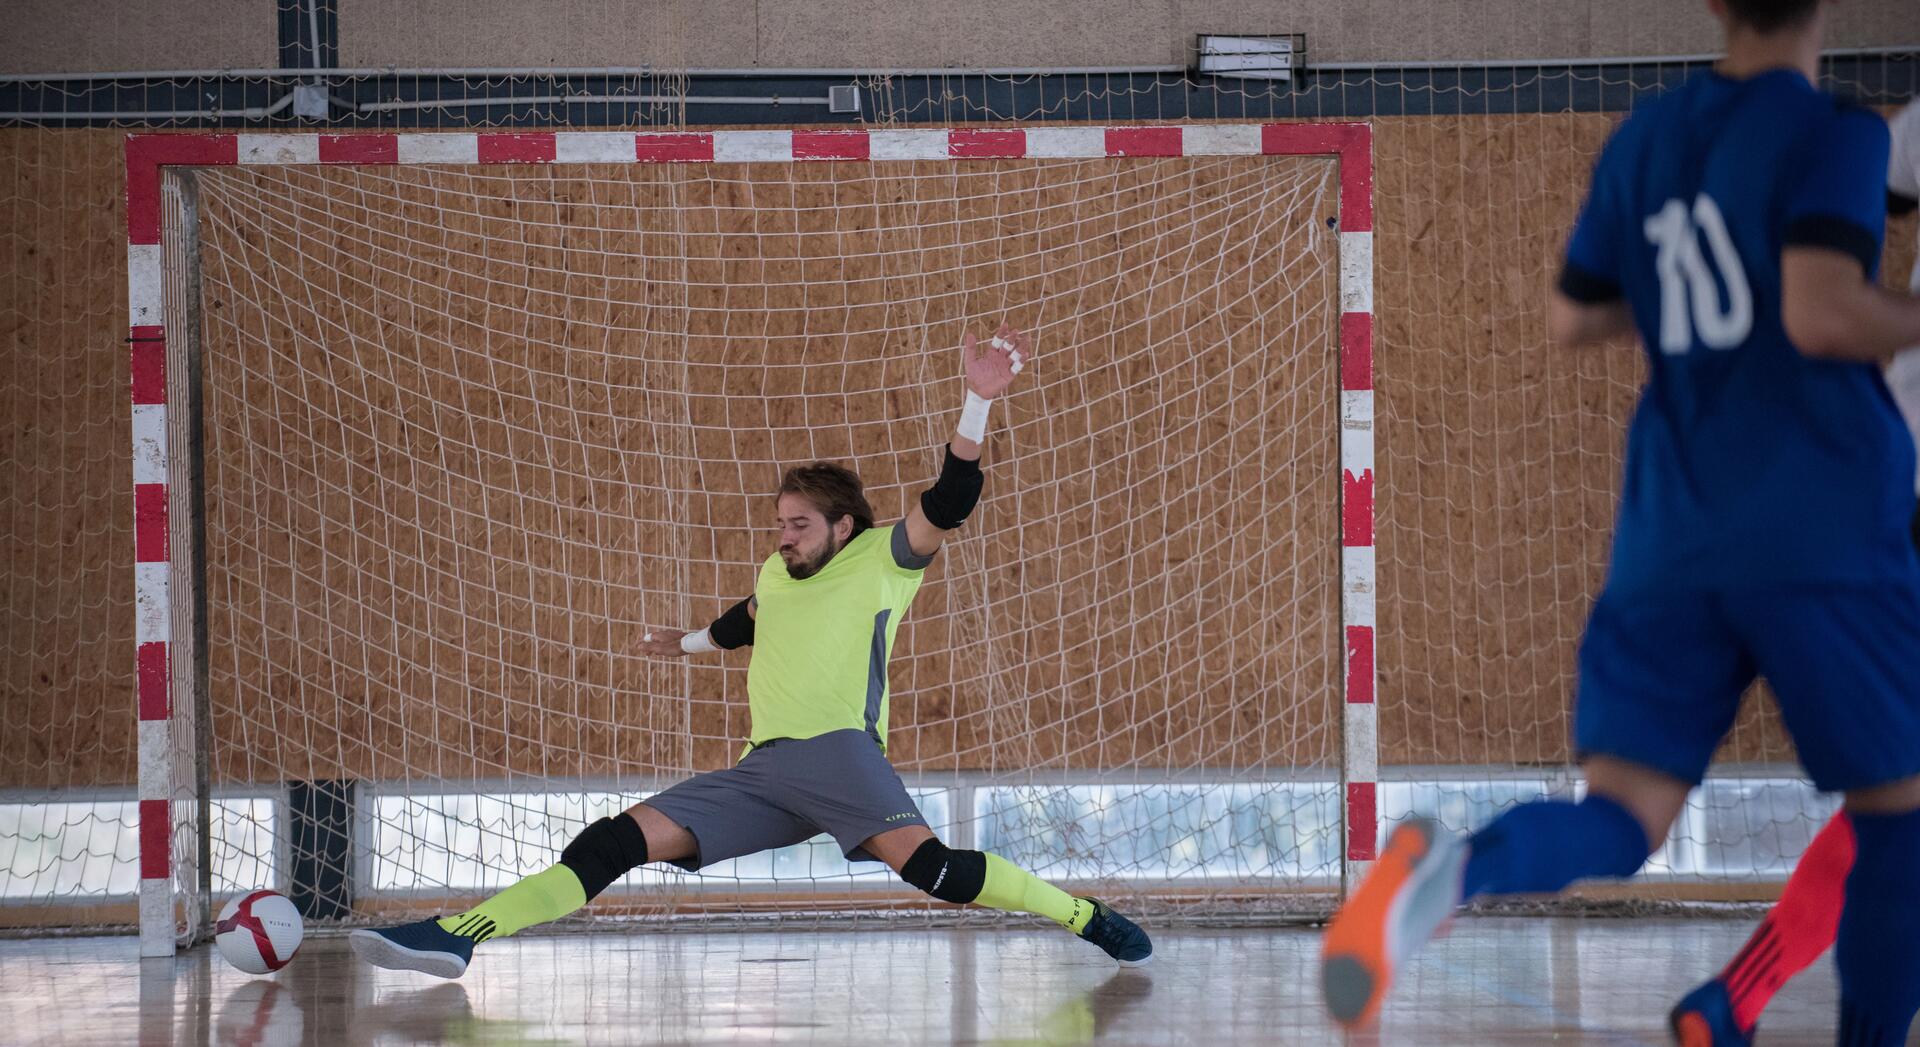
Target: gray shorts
789 791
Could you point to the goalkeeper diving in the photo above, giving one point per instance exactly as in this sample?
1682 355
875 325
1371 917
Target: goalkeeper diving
821 621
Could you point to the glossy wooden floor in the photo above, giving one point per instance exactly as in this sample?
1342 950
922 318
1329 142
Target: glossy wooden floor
1491 981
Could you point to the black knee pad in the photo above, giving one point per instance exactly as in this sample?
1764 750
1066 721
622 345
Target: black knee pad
605 851
947 874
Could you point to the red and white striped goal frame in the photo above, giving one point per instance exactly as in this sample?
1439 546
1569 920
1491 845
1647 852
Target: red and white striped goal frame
147 155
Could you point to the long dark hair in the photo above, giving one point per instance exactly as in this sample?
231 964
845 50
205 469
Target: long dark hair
835 490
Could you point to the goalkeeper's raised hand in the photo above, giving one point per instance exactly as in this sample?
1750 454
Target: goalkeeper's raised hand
991 367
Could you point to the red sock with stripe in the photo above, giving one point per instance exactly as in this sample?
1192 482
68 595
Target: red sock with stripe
1800 927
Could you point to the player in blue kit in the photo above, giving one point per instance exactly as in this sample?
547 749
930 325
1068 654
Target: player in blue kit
1736 224
1724 1010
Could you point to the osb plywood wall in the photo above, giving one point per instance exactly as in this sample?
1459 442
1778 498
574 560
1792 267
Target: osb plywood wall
450 474
1498 454
66 504
1499 457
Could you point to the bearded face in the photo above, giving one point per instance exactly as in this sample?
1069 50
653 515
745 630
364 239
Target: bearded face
807 541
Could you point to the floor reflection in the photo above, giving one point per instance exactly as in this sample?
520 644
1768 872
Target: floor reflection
1490 981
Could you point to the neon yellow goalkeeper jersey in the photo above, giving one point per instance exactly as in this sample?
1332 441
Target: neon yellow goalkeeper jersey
820 645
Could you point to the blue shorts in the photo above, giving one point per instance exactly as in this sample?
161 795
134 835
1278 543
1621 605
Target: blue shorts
1661 675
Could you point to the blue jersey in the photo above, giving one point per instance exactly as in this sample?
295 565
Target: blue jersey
1747 463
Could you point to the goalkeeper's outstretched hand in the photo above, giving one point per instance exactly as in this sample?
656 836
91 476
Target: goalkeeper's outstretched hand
992 364
662 643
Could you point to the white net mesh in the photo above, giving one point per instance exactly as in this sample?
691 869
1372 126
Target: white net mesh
1497 465
469 430
68 822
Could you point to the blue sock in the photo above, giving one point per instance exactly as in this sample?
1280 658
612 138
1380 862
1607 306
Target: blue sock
1878 951
1541 847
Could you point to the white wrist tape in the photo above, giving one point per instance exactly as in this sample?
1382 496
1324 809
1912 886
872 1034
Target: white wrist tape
698 643
973 417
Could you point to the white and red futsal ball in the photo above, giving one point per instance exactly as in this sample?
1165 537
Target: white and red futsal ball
259 932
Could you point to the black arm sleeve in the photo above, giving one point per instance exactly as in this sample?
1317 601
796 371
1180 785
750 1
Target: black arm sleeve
1586 288
952 497
1835 234
734 628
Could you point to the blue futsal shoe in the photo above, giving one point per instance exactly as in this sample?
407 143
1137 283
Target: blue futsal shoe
1704 1018
422 946
1120 937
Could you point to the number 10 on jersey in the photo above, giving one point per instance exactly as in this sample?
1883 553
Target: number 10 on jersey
1690 303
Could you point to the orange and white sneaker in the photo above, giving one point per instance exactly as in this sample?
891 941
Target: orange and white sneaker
1411 891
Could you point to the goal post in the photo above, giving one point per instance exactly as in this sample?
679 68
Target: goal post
672 281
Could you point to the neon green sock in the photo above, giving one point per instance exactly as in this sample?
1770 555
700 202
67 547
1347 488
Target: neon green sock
540 898
1010 888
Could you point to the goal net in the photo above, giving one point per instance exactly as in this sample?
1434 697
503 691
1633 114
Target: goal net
469 429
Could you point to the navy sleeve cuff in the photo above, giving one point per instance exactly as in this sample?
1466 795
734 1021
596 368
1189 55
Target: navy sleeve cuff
1901 203
1835 234
1587 288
